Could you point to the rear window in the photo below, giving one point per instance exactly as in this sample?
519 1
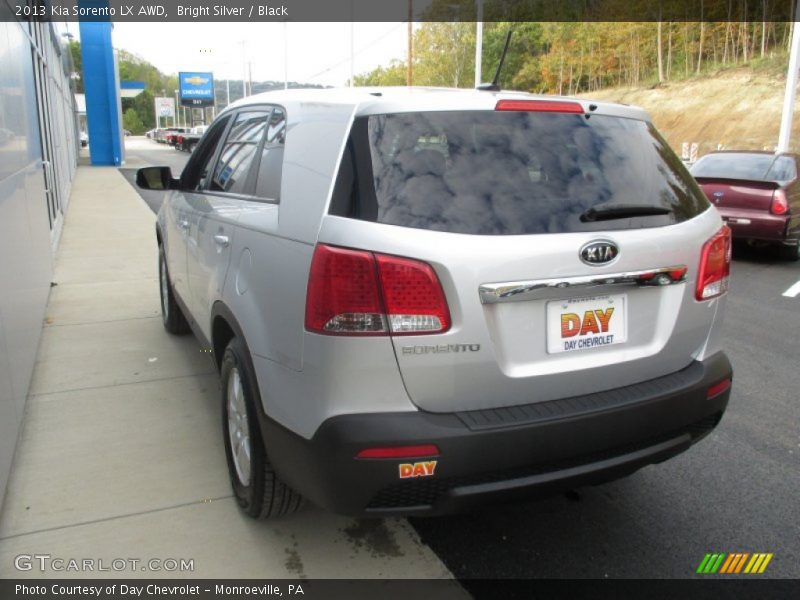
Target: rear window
507 173
758 167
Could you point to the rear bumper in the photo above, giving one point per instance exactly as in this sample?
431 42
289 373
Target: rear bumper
492 455
756 225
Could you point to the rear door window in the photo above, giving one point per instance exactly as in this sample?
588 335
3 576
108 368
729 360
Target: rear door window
507 173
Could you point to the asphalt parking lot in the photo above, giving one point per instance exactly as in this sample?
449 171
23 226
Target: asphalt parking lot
736 491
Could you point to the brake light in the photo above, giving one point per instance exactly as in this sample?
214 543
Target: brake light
421 451
540 106
780 203
354 292
718 388
715 266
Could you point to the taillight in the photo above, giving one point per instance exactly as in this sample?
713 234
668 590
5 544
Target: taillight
715 266
414 298
354 292
780 203
539 106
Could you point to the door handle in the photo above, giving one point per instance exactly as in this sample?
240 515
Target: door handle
222 240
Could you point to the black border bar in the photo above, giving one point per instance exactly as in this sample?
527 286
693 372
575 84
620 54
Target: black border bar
244 11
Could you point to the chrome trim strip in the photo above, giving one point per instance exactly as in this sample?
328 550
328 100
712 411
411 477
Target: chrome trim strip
516 291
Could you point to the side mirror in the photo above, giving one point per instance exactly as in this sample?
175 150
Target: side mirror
156 178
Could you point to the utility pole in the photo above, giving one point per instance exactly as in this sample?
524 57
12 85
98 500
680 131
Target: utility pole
410 70
285 55
791 86
244 70
478 42
352 50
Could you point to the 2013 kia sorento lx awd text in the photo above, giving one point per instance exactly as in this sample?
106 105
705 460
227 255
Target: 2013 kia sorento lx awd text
419 300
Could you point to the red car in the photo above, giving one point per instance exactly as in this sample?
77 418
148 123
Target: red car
757 194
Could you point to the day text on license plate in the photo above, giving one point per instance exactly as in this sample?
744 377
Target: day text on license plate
586 323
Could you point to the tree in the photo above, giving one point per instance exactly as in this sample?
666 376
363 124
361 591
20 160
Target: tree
132 122
77 64
444 54
393 74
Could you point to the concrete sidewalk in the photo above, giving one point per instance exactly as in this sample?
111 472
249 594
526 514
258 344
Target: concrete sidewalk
121 455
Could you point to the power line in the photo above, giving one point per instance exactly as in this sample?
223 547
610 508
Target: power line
362 49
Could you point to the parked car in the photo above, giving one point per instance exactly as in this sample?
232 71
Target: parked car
171 135
757 194
84 137
187 141
422 300
163 135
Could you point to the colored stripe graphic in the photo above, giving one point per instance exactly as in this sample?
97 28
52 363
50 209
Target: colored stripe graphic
734 562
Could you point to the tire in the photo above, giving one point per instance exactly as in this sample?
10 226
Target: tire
171 314
258 490
790 253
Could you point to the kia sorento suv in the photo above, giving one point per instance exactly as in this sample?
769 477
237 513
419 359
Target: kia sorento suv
420 300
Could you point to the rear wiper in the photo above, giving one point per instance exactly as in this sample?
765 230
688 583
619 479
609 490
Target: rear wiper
606 212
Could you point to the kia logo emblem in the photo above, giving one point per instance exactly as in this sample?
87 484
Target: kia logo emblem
599 252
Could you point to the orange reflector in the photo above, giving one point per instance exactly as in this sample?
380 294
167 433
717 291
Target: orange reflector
400 452
540 106
718 388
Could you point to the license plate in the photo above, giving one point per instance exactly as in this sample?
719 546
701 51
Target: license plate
586 323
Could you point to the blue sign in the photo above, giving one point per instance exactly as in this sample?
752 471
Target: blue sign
196 89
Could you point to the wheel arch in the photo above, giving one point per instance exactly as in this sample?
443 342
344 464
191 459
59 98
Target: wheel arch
224 327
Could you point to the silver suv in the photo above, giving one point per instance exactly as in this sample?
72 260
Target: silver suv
419 300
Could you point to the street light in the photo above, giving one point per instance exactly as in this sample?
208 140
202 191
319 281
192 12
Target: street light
478 42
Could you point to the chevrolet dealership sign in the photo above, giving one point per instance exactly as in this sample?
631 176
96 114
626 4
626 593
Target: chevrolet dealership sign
196 89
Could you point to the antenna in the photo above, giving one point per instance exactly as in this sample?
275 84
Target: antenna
494 86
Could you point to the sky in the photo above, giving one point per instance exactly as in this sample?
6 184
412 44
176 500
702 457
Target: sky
317 52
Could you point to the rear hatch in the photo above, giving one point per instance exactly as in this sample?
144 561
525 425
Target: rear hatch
567 246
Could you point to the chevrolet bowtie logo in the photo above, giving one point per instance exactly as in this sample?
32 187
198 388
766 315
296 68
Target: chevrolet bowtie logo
196 80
